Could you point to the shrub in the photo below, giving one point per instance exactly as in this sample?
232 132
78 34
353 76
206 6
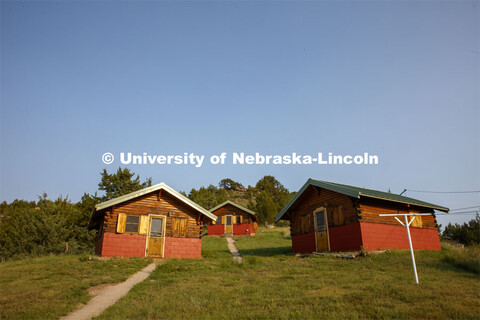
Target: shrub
286 233
44 227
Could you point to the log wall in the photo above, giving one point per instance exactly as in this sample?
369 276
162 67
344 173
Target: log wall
230 210
301 214
371 208
157 203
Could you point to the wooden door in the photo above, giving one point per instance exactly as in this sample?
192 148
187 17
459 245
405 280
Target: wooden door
321 230
155 237
228 224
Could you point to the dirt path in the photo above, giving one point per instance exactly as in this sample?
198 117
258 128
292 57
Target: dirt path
109 296
233 249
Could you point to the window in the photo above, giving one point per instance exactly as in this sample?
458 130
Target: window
156 227
239 220
229 221
132 223
320 216
219 220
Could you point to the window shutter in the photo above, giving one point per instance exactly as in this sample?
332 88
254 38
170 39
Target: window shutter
180 227
234 220
417 222
223 219
175 227
241 219
121 222
338 218
184 227
143 227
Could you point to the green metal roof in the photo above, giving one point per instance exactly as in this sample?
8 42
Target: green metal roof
233 204
356 192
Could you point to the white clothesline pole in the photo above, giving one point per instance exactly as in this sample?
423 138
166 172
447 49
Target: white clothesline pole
407 226
411 247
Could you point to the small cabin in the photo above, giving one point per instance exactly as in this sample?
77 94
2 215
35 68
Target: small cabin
155 222
327 216
232 219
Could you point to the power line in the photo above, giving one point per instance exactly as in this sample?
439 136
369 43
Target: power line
459 214
473 211
466 208
424 191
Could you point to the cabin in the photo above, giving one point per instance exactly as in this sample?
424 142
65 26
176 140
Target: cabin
327 216
155 222
232 219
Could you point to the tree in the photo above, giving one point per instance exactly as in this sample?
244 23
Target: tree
208 197
120 183
266 207
272 197
85 208
229 184
468 233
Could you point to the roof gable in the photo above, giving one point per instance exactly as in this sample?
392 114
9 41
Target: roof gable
235 205
357 192
157 187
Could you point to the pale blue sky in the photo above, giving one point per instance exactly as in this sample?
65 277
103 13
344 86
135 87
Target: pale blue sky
396 79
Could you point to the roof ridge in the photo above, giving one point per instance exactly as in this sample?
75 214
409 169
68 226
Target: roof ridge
235 205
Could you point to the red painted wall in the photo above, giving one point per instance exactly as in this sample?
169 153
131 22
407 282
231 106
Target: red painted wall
385 236
345 238
216 229
122 245
133 245
304 243
241 229
238 229
183 247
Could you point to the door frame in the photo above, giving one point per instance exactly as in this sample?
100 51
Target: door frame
164 224
315 226
225 226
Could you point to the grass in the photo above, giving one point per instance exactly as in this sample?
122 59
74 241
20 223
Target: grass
467 258
272 283
266 243
52 286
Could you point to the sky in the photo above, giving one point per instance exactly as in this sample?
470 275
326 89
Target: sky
399 80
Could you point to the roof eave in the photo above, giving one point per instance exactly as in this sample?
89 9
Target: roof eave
292 201
156 187
426 205
233 204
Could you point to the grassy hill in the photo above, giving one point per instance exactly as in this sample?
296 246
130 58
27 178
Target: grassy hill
271 283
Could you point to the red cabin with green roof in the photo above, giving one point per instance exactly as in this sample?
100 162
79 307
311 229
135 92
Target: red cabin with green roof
232 219
328 216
